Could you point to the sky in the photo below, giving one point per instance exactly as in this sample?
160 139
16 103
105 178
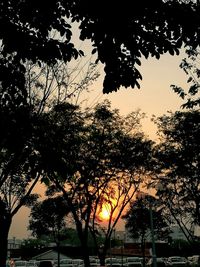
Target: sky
155 97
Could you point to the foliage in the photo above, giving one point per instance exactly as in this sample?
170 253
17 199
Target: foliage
31 243
49 218
145 221
50 85
32 32
21 128
190 66
178 173
43 34
138 219
99 158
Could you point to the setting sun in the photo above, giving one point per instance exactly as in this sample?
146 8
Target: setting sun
105 212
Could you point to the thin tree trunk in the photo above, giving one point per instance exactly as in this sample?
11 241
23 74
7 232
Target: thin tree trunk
83 237
85 253
58 250
143 250
102 251
102 257
5 223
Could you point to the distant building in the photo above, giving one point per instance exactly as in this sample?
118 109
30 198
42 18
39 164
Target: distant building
13 244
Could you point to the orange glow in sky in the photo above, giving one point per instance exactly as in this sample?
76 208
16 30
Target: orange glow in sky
105 212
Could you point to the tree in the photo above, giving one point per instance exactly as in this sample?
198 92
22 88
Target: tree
138 220
50 221
50 85
99 158
178 159
144 29
190 66
21 126
49 218
18 177
27 34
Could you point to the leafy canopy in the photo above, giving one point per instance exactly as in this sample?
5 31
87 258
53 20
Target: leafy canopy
120 35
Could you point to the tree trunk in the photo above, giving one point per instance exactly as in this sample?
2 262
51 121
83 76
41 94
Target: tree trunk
58 251
102 257
83 237
143 251
5 223
85 253
102 251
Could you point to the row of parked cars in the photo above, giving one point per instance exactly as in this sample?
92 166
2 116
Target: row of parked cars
174 261
94 262
49 263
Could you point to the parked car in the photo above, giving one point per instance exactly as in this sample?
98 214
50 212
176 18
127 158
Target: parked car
177 261
113 265
32 263
94 262
20 263
67 262
78 262
66 265
133 262
114 262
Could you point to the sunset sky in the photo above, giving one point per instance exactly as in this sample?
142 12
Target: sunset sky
154 98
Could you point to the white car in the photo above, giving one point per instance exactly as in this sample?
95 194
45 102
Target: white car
66 265
31 263
78 262
133 262
67 262
177 261
94 262
114 262
20 263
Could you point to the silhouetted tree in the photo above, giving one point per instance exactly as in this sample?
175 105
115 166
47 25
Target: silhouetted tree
21 129
144 29
191 67
49 218
27 34
99 158
178 158
138 221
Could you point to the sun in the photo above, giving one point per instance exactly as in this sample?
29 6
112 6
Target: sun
105 212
